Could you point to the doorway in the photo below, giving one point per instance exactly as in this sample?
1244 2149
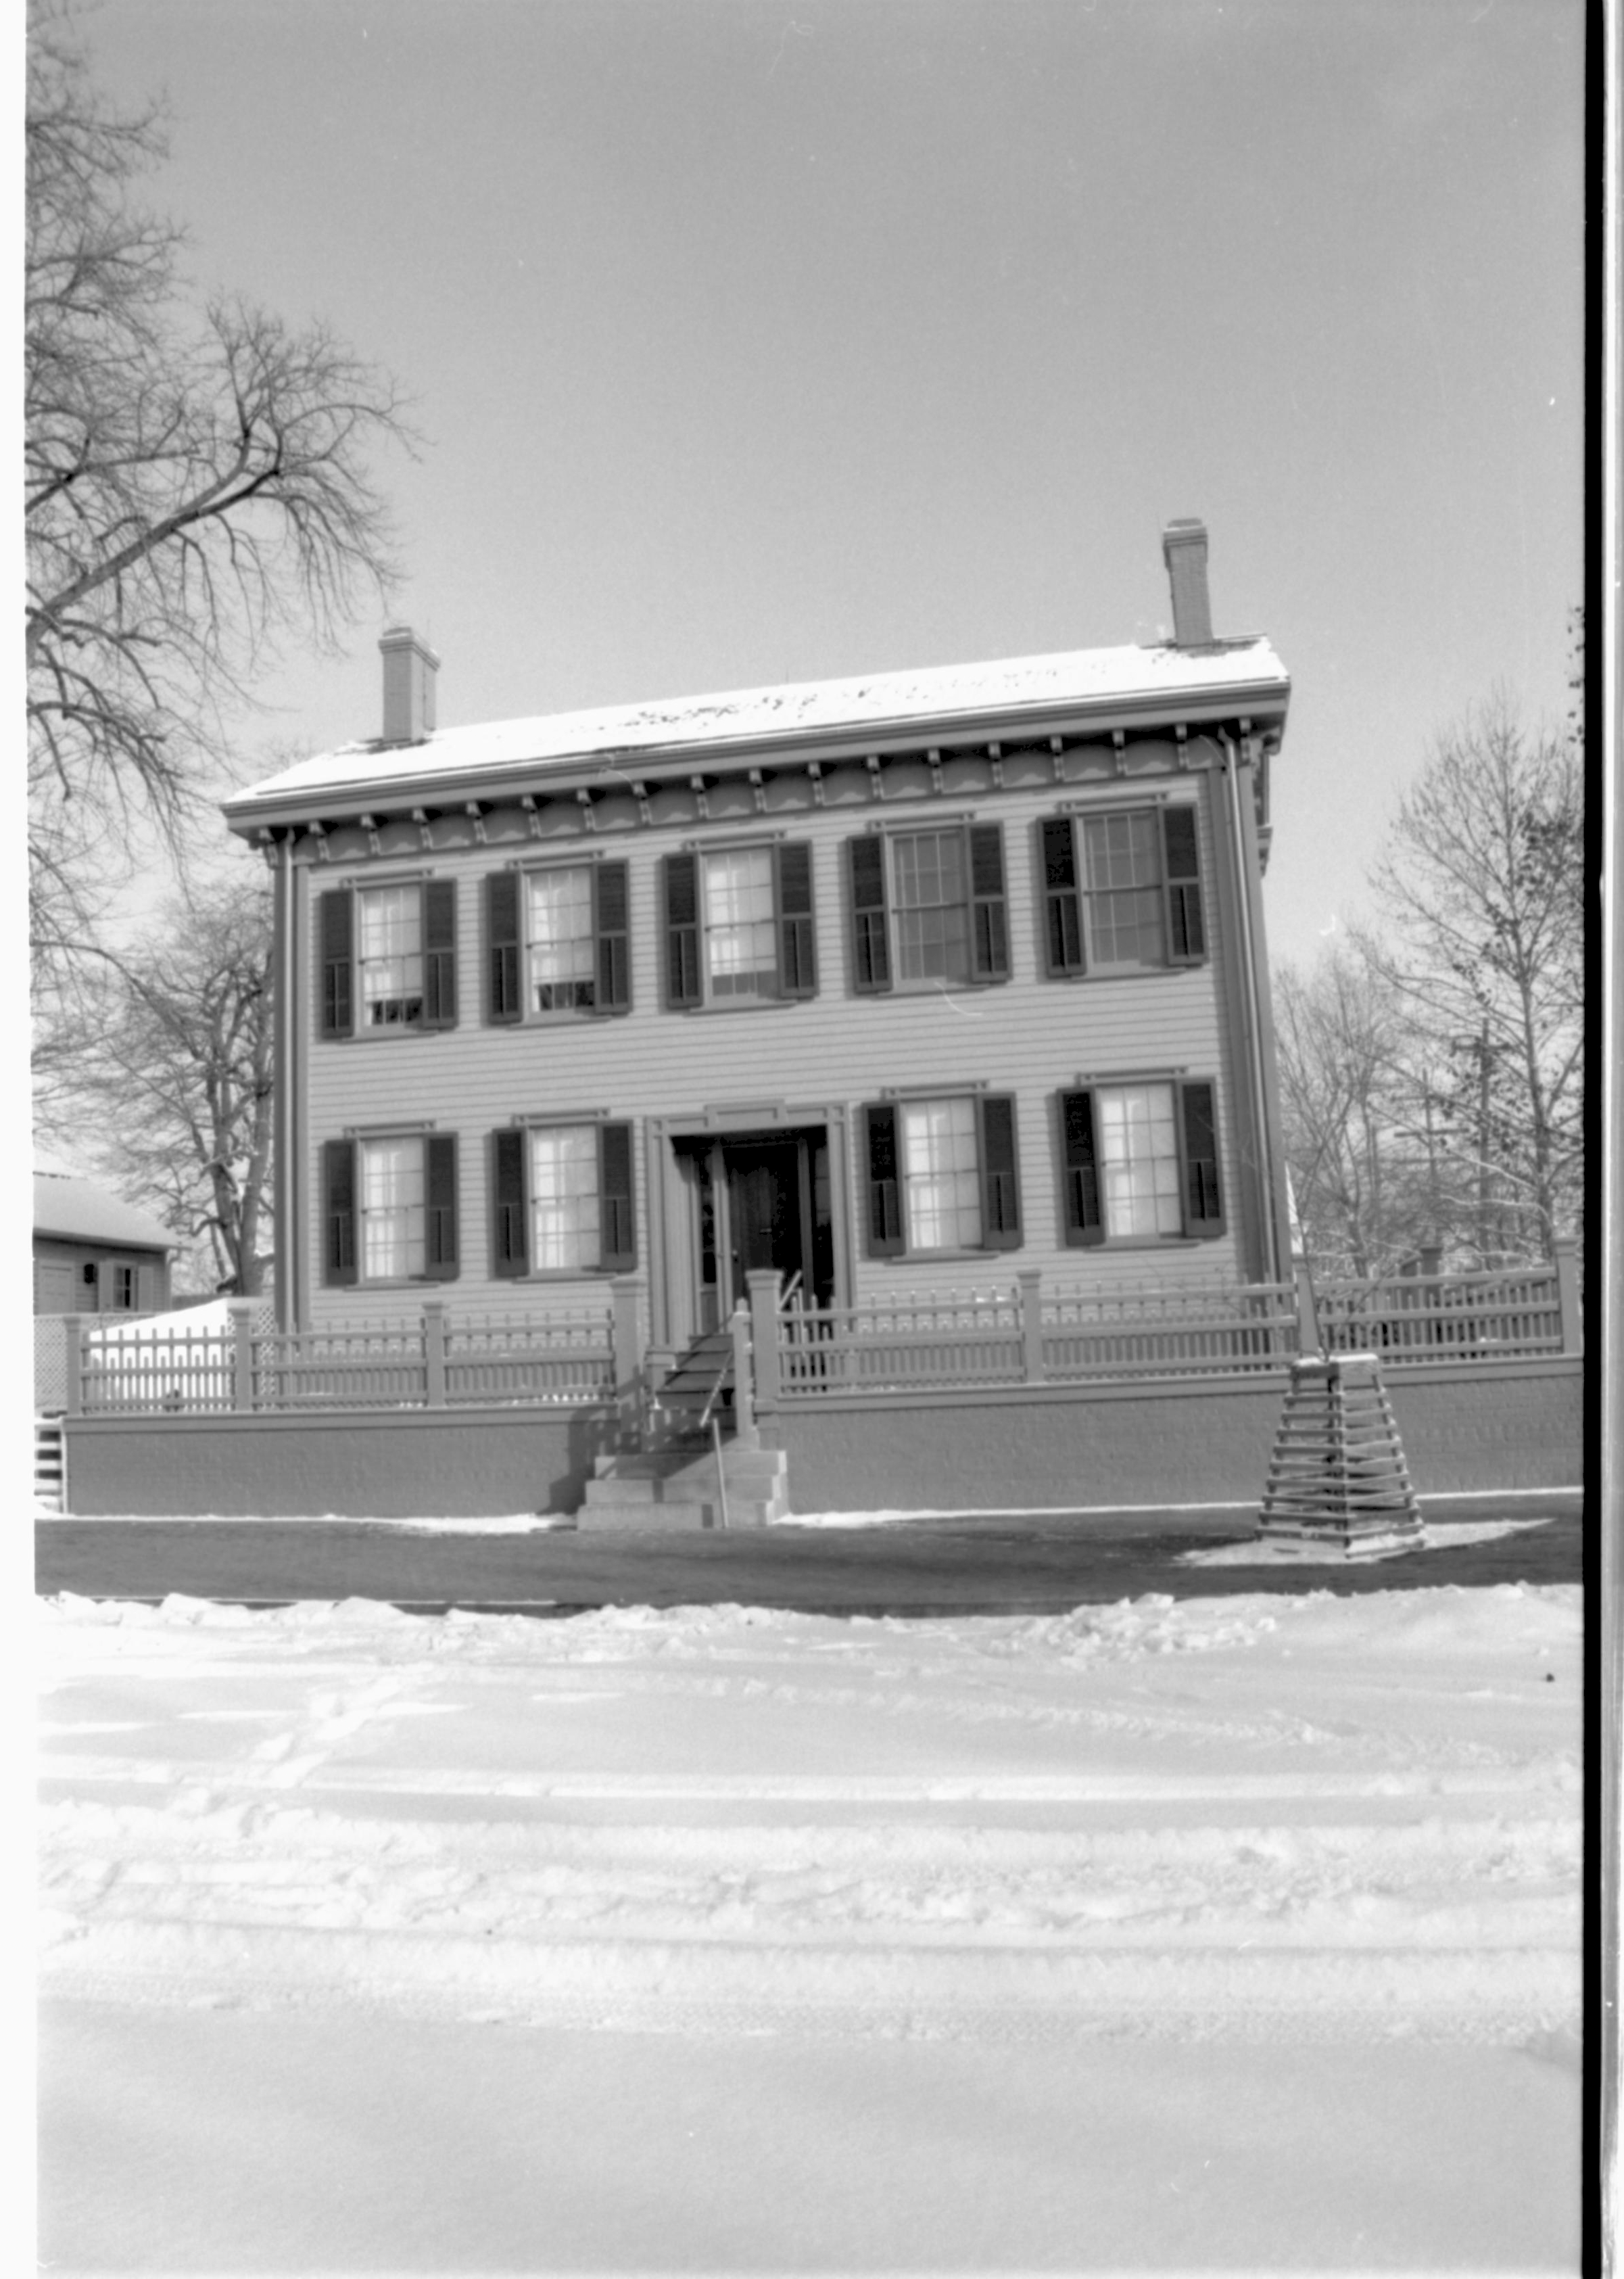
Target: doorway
761 1199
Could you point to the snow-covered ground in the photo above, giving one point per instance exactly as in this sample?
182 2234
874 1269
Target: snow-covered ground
1237 1934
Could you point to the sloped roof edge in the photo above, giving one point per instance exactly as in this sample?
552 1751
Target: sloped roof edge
1080 679
76 1210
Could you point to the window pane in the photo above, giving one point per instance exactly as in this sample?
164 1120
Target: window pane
932 918
941 1177
1139 1153
1123 873
391 955
563 1191
392 1215
740 938
563 950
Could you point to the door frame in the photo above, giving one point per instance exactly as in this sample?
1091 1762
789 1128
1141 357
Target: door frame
674 1296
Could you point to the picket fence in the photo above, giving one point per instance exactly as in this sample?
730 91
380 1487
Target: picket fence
436 1360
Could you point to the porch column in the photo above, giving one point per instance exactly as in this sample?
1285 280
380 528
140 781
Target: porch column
763 1284
744 1396
434 1353
626 1295
241 1312
73 1364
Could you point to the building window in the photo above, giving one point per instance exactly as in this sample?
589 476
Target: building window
391 931
557 941
562 1200
942 1175
928 908
1122 891
403 938
121 1289
738 925
560 940
393 1230
1140 1162
389 1209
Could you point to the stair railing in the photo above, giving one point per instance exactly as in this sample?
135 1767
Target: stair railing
708 1416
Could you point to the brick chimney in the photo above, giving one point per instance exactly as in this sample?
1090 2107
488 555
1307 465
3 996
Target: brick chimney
1183 549
409 670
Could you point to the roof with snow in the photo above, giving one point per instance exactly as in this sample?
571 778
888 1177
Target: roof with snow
75 1210
1102 680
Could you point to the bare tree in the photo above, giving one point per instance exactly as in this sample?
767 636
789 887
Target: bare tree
1367 1197
1483 885
197 484
163 1073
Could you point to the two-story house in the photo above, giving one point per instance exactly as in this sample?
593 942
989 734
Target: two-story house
905 981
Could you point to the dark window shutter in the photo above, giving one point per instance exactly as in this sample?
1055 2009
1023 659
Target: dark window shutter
611 924
338 1214
337 963
440 1189
886 1236
502 947
1062 909
1000 1184
797 948
870 949
682 975
510 1219
1084 1219
439 953
1181 876
989 919
617 1236
1199 1127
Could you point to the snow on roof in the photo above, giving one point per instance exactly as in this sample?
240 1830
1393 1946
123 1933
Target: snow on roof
75 1210
1071 678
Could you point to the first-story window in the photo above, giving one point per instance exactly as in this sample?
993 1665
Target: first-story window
389 1209
561 1198
123 1290
942 1175
388 957
1141 1162
738 924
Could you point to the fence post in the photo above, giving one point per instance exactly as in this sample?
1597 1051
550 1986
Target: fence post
434 1353
73 1365
1567 1293
241 1312
763 1284
1029 1292
1307 1312
744 1398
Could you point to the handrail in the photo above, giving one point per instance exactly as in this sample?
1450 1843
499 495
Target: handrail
707 1416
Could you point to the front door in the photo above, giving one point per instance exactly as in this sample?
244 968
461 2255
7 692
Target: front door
762 1202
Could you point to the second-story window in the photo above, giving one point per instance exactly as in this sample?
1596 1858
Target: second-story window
391 956
928 908
1122 891
387 957
738 925
557 941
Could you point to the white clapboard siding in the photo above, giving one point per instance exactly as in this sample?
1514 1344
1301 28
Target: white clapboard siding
1029 1036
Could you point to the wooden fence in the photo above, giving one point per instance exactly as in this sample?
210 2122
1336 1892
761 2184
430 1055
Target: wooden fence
1515 1313
1025 1335
434 1361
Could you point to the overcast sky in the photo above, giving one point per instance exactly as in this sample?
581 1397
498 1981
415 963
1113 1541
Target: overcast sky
765 340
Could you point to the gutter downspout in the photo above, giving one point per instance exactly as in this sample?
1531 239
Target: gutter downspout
1253 1012
286 1157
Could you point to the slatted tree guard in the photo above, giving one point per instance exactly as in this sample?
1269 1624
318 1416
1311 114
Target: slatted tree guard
1337 1475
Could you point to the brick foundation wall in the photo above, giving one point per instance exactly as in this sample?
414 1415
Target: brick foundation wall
1468 1428
392 1464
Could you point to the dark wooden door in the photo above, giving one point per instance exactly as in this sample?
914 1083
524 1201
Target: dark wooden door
764 1208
